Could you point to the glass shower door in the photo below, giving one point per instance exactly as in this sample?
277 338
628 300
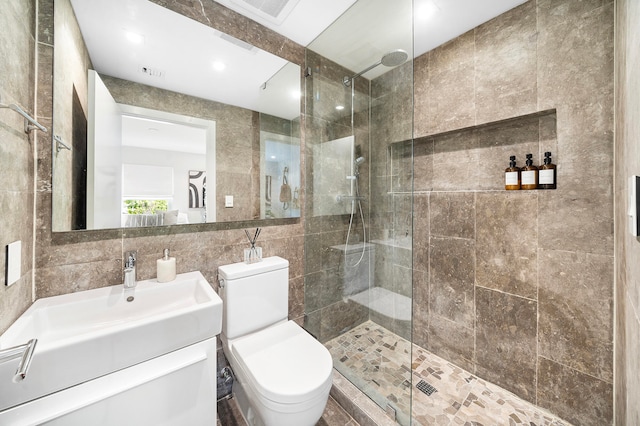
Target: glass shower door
358 213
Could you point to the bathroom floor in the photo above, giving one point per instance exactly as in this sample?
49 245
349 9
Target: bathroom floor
375 359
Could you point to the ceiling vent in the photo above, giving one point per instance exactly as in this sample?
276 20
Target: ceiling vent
238 42
152 72
275 11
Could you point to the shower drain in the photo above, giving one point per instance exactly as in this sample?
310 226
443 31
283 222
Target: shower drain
426 388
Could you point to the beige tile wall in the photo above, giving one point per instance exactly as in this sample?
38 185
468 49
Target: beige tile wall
17 69
518 286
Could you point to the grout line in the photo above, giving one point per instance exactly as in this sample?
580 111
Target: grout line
507 293
576 370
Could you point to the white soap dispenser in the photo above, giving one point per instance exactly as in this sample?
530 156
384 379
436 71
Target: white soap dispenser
166 268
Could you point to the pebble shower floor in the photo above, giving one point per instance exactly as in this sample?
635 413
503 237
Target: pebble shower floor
375 360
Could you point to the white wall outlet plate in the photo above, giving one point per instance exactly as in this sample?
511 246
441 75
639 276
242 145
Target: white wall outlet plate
13 262
228 200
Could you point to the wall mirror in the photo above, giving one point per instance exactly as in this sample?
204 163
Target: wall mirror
160 120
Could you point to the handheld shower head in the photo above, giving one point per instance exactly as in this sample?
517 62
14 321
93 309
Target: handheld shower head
359 161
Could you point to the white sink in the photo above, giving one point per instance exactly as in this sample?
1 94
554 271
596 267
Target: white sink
88 334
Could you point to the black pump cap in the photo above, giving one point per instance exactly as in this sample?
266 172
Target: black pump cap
512 162
547 154
529 161
512 158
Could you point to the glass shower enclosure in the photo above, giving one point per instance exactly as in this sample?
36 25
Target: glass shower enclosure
358 212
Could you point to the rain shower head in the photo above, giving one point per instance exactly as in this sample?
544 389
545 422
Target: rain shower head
389 59
394 58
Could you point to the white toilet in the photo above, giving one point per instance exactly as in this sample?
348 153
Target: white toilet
283 374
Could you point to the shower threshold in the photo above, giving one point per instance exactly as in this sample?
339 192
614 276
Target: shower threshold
387 368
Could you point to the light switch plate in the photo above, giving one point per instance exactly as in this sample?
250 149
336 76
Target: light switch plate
228 200
13 262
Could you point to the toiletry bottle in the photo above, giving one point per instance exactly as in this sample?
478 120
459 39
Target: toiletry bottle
529 174
512 175
166 268
547 173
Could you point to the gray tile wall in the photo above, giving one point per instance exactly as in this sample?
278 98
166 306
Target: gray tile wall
518 286
17 69
627 159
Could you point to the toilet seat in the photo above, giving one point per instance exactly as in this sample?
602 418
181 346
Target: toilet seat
284 364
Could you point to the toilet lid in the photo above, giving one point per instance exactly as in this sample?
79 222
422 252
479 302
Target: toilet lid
285 363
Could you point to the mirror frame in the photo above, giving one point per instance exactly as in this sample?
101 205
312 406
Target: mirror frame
231 23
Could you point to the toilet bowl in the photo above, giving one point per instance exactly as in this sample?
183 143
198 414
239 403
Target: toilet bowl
283 374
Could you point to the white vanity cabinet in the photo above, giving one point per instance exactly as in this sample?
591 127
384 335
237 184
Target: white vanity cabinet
178 388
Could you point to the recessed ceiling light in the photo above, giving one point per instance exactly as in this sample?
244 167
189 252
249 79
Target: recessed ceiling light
134 38
296 94
273 157
219 65
340 107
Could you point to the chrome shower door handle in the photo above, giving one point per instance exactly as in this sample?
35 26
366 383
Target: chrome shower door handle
25 352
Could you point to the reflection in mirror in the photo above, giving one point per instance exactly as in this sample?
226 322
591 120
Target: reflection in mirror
280 182
159 133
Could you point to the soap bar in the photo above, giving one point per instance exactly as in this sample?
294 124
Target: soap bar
166 270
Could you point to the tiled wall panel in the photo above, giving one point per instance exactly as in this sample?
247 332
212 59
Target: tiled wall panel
542 270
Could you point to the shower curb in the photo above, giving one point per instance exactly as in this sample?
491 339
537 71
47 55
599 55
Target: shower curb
357 404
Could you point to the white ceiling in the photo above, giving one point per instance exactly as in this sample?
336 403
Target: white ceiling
149 133
367 29
184 52
140 41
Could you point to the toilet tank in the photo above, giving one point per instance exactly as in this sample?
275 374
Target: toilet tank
254 296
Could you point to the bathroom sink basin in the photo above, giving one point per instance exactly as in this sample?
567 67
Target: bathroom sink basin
88 334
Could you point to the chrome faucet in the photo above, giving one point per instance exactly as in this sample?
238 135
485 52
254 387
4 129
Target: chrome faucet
130 277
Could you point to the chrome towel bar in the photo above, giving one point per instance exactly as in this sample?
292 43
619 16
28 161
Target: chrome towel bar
25 352
60 145
30 123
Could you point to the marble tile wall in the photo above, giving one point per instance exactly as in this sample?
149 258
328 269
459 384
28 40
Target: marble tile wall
518 286
17 48
627 160
74 261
